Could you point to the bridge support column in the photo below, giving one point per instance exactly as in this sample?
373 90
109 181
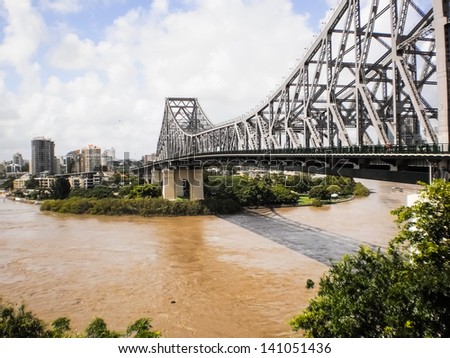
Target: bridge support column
196 181
442 36
444 170
155 177
168 189
183 182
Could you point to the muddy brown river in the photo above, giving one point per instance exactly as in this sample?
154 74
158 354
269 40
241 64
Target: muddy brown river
194 276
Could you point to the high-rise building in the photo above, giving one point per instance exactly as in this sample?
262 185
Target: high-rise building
18 160
74 162
108 158
92 158
88 159
42 156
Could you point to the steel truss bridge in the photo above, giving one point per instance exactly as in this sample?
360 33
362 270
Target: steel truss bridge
377 76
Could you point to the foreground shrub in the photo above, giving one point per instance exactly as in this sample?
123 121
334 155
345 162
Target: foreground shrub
97 329
60 327
142 329
20 323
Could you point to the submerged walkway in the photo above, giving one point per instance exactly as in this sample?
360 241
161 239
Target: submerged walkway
320 245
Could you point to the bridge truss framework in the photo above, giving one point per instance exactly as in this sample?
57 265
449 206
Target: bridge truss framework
376 75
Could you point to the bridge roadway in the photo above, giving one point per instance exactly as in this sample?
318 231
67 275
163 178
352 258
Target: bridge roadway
317 244
426 152
407 164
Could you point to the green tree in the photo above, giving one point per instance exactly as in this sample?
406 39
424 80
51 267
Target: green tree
20 323
252 192
142 329
319 192
8 183
425 227
60 327
97 192
145 191
125 191
334 189
60 188
299 183
282 195
404 292
98 329
32 183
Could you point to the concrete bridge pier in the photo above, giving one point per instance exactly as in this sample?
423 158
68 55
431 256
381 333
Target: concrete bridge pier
443 170
155 177
439 169
182 182
168 188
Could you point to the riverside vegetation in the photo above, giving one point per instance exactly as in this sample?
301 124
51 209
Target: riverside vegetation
223 195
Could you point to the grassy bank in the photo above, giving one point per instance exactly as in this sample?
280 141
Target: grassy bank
141 206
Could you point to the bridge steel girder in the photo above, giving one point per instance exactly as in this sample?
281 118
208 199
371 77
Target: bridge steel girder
370 77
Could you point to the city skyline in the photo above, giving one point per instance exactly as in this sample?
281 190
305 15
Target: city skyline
76 77
19 159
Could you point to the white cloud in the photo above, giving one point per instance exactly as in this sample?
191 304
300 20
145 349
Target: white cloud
333 3
23 35
74 54
229 54
160 6
62 6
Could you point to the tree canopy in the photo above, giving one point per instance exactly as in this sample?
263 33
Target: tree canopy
21 323
60 188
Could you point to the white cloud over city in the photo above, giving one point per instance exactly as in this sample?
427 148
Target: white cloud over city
104 81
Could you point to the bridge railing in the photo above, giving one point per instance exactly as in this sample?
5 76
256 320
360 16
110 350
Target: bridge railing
391 150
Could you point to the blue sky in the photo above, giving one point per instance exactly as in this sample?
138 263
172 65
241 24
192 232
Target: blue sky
97 71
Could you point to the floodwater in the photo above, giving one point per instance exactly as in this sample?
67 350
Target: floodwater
368 220
194 276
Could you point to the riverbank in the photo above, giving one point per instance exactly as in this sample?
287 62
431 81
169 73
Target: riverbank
219 204
145 207
25 201
155 207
